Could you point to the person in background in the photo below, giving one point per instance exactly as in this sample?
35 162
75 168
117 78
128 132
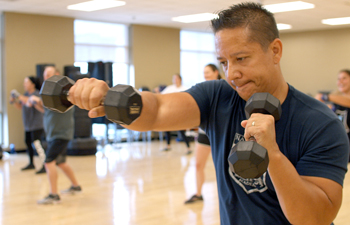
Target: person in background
59 128
159 89
32 120
339 100
202 147
173 88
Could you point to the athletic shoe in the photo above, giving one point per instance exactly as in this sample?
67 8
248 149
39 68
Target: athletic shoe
50 199
42 170
28 167
71 190
189 152
194 198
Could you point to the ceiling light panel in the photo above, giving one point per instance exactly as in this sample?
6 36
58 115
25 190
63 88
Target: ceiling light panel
283 26
337 21
195 18
95 5
289 6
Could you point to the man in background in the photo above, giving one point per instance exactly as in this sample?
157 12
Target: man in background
59 128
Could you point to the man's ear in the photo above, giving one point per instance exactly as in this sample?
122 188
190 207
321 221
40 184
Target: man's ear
276 47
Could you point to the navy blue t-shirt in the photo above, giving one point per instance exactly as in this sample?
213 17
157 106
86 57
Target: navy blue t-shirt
308 133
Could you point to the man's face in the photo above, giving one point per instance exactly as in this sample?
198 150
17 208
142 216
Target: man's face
248 68
49 72
176 80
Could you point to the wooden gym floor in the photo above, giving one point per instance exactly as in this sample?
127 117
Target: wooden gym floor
128 183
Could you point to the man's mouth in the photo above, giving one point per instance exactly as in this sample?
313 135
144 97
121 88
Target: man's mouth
239 85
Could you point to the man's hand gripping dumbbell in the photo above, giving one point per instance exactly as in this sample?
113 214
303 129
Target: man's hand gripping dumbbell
121 104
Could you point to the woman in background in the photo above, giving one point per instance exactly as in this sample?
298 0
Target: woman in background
32 120
202 147
339 101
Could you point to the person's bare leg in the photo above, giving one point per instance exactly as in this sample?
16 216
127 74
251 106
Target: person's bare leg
202 154
51 172
69 173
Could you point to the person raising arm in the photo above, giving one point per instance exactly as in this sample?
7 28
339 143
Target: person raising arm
303 182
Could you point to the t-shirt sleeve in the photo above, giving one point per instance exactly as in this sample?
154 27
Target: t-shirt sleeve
327 153
202 94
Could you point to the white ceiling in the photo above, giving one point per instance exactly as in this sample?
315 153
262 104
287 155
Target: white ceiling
160 12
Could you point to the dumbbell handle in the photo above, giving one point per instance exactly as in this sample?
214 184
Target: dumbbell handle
66 92
257 163
122 103
252 138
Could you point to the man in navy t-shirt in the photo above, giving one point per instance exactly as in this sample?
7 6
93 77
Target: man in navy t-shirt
307 147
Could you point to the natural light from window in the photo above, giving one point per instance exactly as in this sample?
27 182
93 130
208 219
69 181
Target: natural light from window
103 42
106 42
197 50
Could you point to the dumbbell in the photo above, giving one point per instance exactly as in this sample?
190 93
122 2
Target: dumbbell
248 159
123 103
15 95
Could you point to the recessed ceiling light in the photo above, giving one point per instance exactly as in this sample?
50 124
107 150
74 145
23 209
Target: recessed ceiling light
337 21
289 6
283 26
195 18
95 5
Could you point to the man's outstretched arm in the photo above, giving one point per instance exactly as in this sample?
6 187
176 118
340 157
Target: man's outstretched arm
174 111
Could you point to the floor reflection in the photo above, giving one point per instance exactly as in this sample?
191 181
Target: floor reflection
121 202
127 183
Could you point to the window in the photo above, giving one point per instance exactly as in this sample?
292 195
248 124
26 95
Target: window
106 42
197 50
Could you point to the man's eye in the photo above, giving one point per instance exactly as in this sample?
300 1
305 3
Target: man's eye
223 63
240 58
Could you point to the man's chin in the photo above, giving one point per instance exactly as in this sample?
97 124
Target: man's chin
244 94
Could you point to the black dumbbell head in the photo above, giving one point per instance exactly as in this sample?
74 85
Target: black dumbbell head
263 103
248 159
54 93
123 104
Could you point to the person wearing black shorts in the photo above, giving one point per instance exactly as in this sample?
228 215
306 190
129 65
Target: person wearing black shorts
59 128
202 149
32 121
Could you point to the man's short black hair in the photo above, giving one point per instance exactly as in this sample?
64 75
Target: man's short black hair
260 22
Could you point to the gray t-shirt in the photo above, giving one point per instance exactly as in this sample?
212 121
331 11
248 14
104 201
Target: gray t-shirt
32 118
59 125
